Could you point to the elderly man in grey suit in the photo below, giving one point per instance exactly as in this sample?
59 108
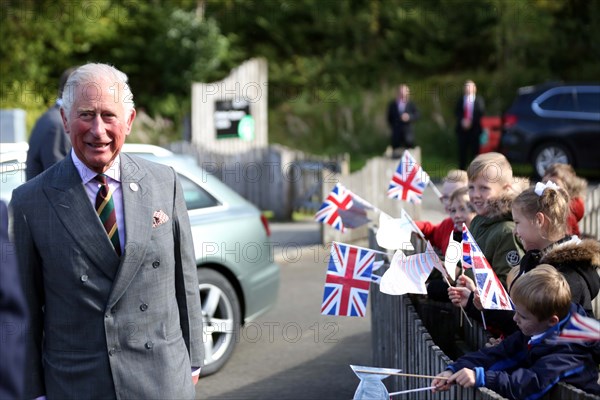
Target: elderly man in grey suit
107 262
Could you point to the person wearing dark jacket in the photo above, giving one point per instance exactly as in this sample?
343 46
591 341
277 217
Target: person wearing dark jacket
13 317
492 190
530 362
48 142
468 112
401 113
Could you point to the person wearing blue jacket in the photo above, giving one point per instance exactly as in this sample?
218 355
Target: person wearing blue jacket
530 362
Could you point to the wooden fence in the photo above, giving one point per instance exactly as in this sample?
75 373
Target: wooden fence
414 334
590 224
273 178
370 183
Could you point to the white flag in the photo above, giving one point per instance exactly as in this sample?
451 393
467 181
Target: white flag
395 233
371 386
453 256
405 275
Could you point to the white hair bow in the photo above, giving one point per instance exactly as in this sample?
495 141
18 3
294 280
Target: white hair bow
540 187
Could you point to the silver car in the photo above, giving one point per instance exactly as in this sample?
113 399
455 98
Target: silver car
237 276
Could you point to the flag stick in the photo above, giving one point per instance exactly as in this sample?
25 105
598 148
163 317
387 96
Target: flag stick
462 273
435 189
400 374
412 223
483 319
411 391
463 312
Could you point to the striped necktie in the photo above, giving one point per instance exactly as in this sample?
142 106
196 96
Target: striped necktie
105 208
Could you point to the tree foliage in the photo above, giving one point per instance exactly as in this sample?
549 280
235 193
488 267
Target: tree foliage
326 57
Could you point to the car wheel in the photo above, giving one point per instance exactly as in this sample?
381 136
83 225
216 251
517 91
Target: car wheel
548 154
221 318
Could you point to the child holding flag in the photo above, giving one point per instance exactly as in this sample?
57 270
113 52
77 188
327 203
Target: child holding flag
491 191
531 361
461 212
540 214
439 234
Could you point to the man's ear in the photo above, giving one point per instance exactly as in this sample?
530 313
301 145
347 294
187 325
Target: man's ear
130 121
64 120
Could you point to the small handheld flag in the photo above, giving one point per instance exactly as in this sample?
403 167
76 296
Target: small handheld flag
409 181
579 329
342 209
491 292
452 256
348 280
408 274
371 385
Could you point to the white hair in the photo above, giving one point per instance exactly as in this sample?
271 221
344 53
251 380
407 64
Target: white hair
93 72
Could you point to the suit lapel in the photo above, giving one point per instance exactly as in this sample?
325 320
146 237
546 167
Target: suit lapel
137 209
71 203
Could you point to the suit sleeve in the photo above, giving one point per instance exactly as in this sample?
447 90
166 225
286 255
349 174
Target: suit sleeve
54 147
30 265
12 318
186 279
414 112
391 117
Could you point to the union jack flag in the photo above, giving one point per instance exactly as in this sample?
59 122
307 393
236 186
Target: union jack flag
341 209
467 239
347 281
409 180
579 329
491 292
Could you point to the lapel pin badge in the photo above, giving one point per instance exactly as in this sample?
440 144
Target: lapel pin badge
134 186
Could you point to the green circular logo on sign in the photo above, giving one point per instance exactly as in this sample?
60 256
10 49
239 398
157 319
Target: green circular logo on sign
246 128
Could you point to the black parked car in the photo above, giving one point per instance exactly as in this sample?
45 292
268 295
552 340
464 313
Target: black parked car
554 122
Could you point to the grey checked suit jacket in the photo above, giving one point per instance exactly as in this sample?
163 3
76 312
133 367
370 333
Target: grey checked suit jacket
104 326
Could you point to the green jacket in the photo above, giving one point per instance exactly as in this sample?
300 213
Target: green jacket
494 235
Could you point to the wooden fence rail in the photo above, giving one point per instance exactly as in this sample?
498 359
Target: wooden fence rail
590 224
273 178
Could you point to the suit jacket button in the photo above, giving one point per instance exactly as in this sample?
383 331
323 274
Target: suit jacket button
156 264
144 307
84 278
149 345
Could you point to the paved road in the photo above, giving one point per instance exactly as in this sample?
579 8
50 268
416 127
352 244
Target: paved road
293 352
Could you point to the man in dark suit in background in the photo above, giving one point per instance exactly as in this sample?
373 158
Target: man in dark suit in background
48 142
469 110
400 115
12 318
105 249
